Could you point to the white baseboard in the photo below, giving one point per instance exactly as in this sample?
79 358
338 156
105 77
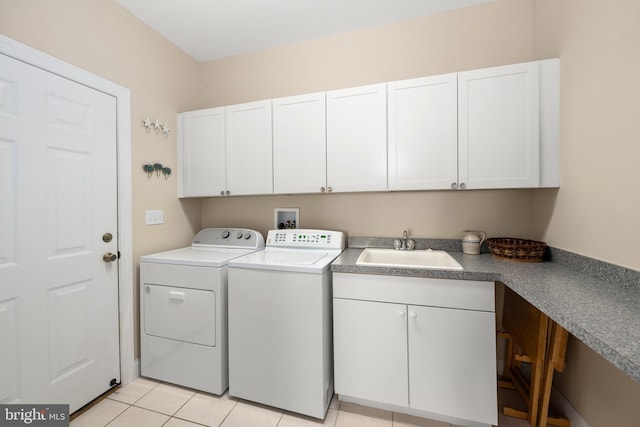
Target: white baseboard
133 372
563 406
558 401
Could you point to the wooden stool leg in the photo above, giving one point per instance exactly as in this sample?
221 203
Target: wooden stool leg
555 361
505 382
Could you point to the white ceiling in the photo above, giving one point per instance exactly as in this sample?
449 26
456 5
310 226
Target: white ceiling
214 29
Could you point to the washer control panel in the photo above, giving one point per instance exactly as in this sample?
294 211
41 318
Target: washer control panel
308 239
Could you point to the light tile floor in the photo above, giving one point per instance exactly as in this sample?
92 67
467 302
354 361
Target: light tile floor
145 402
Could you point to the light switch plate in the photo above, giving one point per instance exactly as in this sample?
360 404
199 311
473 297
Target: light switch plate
154 217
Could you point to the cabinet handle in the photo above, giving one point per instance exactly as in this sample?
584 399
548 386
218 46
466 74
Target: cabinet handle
463 186
401 313
413 314
222 192
329 189
322 189
228 192
454 185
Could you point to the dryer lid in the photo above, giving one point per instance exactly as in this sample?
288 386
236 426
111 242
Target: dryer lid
196 256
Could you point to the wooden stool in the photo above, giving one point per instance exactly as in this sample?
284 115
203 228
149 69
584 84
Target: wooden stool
531 338
555 361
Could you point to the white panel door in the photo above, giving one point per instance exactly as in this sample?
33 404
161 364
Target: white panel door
370 350
357 139
452 363
423 133
249 148
58 298
201 152
498 119
299 144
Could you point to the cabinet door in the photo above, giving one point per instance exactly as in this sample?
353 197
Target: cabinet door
423 133
370 350
499 127
452 363
249 148
299 144
201 153
357 139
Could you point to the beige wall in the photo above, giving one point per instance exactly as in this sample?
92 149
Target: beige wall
592 213
596 210
494 33
491 34
104 39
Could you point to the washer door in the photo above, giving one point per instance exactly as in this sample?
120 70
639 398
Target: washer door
180 314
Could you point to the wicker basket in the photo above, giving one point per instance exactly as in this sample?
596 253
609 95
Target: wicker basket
513 249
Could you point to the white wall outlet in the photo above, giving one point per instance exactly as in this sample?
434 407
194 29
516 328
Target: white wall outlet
154 217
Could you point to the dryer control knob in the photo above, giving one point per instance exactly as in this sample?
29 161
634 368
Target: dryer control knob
225 234
239 235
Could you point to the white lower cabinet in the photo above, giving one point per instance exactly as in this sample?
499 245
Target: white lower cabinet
452 362
417 345
370 347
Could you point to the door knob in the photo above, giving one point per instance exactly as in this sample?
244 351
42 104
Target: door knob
109 257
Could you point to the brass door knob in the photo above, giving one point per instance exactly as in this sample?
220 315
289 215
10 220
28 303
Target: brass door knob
109 257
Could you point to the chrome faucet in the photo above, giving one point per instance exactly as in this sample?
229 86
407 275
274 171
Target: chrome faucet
405 244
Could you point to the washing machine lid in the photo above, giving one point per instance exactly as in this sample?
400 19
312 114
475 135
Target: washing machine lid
300 260
196 256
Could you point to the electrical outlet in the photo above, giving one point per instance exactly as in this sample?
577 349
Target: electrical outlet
154 217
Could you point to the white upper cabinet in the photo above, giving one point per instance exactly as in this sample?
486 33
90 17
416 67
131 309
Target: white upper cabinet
249 148
357 139
423 139
498 114
299 144
490 128
481 129
549 100
201 153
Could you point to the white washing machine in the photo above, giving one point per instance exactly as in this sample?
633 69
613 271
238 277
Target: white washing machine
183 309
280 333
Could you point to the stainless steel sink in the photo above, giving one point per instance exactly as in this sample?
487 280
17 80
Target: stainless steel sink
431 259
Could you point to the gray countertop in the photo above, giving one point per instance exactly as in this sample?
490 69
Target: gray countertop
604 314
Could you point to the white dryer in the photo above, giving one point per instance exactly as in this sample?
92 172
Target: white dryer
183 309
280 335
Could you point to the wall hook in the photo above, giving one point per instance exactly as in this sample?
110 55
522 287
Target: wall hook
147 124
158 168
148 169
